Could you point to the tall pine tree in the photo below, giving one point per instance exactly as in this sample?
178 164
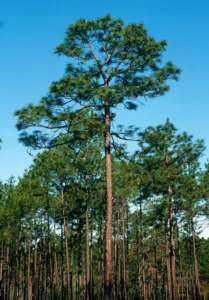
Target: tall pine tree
110 63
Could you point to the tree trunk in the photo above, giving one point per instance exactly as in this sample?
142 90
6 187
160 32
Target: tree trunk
25 270
172 249
1 271
79 260
100 287
196 271
29 283
88 294
172 255
156 272
116 257
143 275
34 290
180 260
62 265
169 282
91 268
108 240
66 246
124 254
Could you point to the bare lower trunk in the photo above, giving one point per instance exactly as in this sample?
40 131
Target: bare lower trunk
100 263
180 261
62 266
28 273
108 240
1 271
80 261
34 290
66 246
172 290
168 262
196 271
91 268
144 296
172 255
88 296
88 287
124 254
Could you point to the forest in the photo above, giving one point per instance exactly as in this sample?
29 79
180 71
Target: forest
92 219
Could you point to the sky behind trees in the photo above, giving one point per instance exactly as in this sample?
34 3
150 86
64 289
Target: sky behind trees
32 29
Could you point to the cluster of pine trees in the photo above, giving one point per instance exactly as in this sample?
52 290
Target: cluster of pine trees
89 220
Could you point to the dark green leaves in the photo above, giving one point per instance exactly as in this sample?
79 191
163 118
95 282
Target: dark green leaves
110 63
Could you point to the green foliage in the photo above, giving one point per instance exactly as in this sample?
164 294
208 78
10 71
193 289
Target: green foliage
110 64
165 157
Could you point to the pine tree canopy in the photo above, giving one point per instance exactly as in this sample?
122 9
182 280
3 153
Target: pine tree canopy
110 63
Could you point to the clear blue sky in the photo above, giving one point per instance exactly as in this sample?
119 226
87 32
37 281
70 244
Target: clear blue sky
32 29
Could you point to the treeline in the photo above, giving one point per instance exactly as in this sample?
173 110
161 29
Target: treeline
53 222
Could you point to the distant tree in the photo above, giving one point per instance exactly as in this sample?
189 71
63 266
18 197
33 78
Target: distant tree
110 64
165 160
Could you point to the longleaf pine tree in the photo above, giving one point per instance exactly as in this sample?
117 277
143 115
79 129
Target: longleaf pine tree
110 63
166 159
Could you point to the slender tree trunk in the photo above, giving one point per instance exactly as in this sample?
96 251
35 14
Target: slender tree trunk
156 270
108 239
187 287
180 260
127 251
191 285
79 261
55 267
100 294
124 254
15 272
62 265
163 288
172 250
169 282
91 268
143 277
48 255
88 296
88 291
139 237
34 288
172 254
25 270
66 246
196 271
144 295
1 271
45 267
8 270
116 256
29 283
71 274
115 262
171 258
39 276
